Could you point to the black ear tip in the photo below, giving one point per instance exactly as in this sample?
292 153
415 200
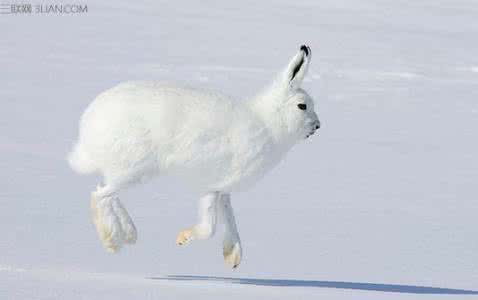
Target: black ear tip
305 49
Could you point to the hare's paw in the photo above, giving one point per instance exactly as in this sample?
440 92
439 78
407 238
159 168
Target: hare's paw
232 252
107 225
113 224
127 225
184 237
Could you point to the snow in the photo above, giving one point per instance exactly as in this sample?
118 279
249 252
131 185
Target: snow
381 203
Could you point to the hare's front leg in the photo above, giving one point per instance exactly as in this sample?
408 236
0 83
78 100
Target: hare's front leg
207 220
232 243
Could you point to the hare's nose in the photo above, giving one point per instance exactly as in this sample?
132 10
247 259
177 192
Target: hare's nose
317 124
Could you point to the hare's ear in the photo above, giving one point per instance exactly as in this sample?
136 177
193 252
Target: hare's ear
295 72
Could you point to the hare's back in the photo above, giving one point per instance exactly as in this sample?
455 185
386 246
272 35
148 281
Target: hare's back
165 112
158 101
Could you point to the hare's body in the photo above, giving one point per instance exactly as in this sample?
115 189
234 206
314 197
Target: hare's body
138 130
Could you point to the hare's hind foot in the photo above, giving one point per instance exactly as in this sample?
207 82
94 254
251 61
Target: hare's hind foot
113 224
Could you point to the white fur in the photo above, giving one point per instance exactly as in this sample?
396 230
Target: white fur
138 130
232 249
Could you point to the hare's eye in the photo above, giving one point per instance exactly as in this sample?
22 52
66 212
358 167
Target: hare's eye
302 106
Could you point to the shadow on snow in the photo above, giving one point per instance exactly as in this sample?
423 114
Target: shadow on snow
379 287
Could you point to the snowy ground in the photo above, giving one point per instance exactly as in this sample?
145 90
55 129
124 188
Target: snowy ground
381 204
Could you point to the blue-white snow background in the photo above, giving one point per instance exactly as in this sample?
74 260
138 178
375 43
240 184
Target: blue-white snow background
385 193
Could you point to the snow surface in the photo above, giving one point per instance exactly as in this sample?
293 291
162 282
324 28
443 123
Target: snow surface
381 204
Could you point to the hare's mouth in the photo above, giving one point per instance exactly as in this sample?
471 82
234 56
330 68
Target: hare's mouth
311 133
314 128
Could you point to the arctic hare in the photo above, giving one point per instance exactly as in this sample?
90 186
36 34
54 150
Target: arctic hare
138 130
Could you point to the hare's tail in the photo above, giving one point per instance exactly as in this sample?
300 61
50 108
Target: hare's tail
80 161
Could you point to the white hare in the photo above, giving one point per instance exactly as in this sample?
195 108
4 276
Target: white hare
138 130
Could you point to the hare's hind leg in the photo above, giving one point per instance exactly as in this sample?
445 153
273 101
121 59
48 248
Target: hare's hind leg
113 223
207 220
232 249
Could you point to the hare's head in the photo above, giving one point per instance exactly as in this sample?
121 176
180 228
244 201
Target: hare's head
286 107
